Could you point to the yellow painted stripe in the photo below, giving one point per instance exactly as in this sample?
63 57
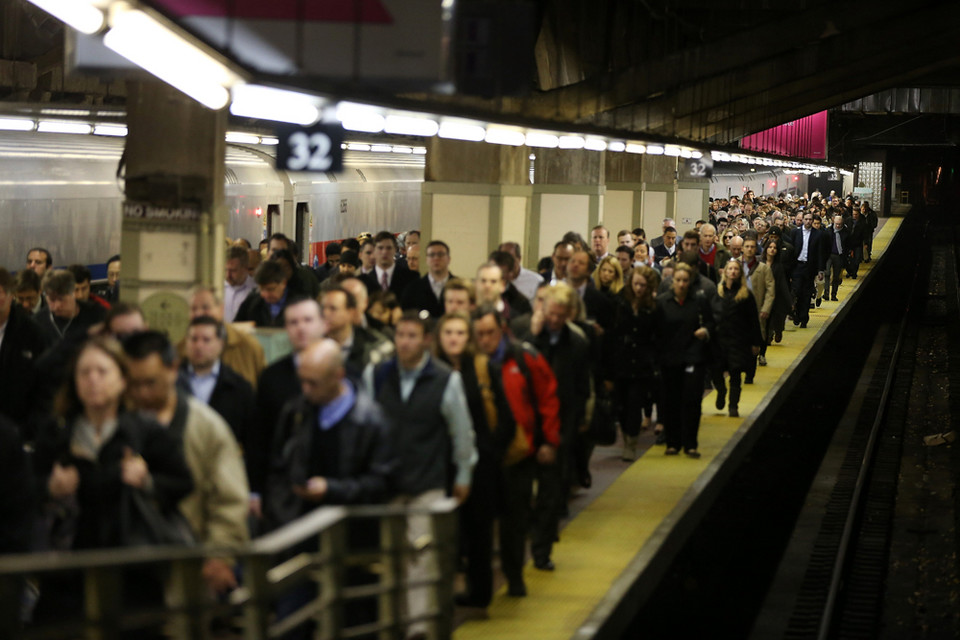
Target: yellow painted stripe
599 543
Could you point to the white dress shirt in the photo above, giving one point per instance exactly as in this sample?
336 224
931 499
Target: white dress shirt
233 297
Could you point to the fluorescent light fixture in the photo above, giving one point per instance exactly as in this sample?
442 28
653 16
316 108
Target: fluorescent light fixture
357 146
267 103
419 151
617 146
403 150
360 117
381 148
16 124
411 126
635 147
79 14
269 141
572 142
696 154
655 150
77 113
52 126
140 38
510 137
117 131
541 139
686 153
461 131
721 156
671 150
595 144
238 137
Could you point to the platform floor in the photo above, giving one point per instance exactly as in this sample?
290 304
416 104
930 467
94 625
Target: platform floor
603 538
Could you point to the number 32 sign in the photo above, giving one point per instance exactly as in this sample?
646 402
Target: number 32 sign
315 148
699 167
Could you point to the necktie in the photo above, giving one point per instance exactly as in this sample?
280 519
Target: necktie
384 283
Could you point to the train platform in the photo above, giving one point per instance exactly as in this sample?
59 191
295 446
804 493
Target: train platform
618 543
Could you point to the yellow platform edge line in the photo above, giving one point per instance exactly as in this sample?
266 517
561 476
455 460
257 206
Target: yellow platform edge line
604 538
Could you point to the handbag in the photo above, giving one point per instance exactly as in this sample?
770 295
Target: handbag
143 523
603 430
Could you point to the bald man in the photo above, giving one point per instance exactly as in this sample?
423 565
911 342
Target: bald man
337 448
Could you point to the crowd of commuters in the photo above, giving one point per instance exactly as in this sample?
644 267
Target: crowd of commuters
399 387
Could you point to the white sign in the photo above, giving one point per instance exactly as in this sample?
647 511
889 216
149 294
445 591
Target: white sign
403 43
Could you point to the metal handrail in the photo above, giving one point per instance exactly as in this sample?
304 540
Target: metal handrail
269 570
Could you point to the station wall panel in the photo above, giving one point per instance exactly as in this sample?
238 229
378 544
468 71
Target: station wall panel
463 222
514 220
559 213
653 212
617 212
690 208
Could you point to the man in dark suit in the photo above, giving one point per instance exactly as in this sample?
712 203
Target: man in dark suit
265 306
858 235
204 376
21 343
518 303
425 294
387 275
668 246
332 265
811 260
598 307
658 241
278 384
838 243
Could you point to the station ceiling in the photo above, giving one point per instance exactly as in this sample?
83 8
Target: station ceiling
708 71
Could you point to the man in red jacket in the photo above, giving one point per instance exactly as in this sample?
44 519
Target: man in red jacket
531 391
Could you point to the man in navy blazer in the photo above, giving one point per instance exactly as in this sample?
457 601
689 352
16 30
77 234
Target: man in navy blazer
811 260
387 275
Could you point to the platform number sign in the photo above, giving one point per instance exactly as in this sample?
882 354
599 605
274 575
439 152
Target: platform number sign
698 168
315 148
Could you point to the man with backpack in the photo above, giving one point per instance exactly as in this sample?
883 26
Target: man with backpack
531 391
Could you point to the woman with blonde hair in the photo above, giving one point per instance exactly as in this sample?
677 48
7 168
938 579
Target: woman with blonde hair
608 276
738 331
494 429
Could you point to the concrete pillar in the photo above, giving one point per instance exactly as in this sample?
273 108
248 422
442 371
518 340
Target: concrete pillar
658 177
475 196
568 195
624 196
172 234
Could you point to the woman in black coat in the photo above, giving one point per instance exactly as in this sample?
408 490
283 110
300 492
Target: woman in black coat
773 256
632 356
684 324
87 464
738 331
494 429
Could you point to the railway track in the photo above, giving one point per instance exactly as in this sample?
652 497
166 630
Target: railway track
799 543
865 575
